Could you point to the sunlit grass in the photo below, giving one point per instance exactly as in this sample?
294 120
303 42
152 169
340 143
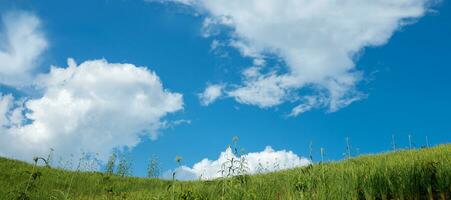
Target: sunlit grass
405 174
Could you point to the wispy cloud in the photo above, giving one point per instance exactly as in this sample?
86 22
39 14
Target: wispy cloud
211 94
316 40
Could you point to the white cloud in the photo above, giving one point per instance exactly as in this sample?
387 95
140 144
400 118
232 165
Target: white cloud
5 105
21 44
10 111
317 40
211 93
92 107
262 90
308 103
267 160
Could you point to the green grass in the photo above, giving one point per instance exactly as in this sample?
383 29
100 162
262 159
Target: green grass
415 174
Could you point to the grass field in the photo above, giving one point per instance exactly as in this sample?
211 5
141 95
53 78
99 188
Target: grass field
406 174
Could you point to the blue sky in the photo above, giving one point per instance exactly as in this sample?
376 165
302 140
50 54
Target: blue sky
405 82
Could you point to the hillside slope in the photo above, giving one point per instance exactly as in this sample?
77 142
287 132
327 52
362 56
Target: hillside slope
414 174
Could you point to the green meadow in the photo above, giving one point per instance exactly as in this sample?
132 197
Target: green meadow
404 174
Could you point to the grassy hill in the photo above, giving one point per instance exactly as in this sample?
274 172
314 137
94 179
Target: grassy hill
407 174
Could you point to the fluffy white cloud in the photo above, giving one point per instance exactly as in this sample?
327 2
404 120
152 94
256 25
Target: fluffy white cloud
210 94
21 44
317 40
267 160
92 107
